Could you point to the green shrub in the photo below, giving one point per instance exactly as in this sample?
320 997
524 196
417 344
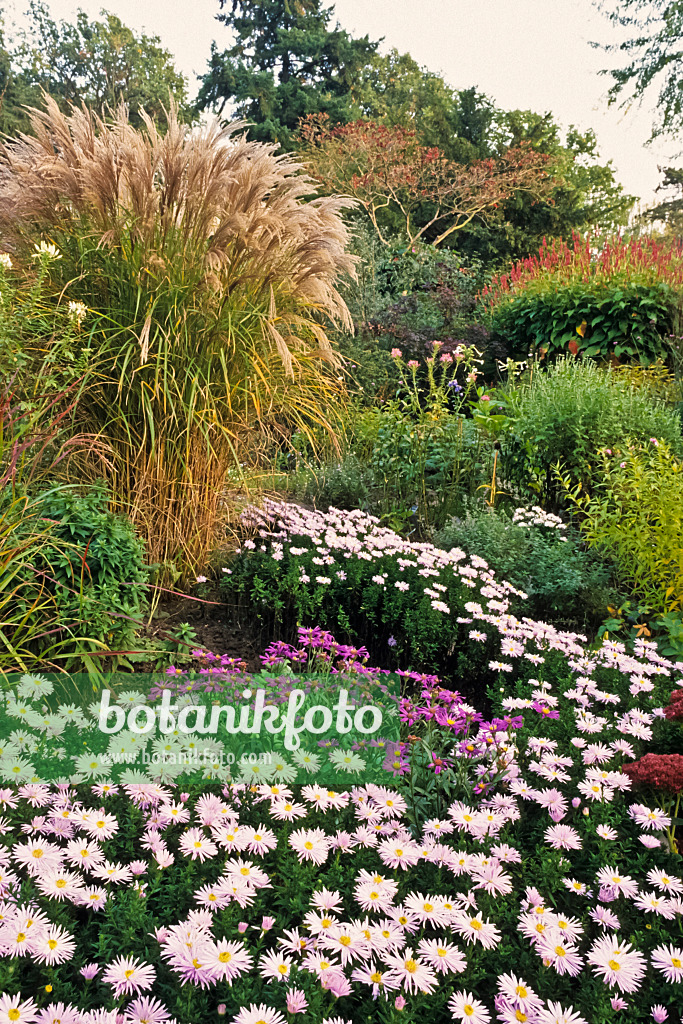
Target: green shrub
91 565
620 301
565 584
412 459
408 602
601 322
635 514
570 411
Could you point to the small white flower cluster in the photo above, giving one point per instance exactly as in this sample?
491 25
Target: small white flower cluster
46 250
536 516
5 260
77 311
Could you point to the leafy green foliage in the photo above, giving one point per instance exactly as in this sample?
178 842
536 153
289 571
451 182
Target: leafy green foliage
635 514
97 572
625 322
93 62
586 196
617 300
652 48
565 417
286 63
565 583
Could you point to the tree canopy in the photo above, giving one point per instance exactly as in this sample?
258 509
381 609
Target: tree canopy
654 56
93 62
585 196
388 171
286 62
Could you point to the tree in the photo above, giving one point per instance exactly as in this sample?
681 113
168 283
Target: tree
285 63
466 126
93 62
654 50
15 94
389 170
585 195
396 91
670 210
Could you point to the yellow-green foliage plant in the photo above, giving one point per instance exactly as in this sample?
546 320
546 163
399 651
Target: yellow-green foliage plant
635 515
209 276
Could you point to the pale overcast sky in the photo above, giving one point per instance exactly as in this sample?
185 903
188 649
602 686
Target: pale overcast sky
529 54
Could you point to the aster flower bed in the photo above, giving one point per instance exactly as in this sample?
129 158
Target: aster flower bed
49 736
272 904
519 867
403 599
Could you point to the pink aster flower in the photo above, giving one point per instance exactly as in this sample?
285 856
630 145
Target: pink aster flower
659 1014
296 1001
195 844
58 1013
413 973
128 975
617 963
13 1011
622 885
228 960
555 1014
563 837
473 929
55 946
310 844
562 955
261 1014
669 960
146 1011
274 965
442 956
468 1010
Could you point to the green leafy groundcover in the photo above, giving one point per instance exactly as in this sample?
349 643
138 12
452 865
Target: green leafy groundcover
512 871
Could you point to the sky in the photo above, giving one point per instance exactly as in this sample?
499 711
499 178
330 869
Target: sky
526 54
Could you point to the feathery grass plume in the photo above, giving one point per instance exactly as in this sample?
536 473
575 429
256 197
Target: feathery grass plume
210 276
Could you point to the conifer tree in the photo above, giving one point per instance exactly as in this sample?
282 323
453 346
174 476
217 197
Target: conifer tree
286 62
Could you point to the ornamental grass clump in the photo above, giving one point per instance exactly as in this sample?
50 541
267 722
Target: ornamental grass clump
209 282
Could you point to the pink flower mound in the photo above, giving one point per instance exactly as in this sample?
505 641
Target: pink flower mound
661 771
